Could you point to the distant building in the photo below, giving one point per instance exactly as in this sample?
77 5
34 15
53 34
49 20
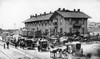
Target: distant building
59 21
93 25
25 33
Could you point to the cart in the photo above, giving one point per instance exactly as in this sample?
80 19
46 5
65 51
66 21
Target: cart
71 51
43 46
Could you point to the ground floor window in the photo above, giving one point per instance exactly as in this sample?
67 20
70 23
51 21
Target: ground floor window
61 30
70 29
83 30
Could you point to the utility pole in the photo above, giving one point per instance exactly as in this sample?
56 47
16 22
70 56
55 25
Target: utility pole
2 26
14 25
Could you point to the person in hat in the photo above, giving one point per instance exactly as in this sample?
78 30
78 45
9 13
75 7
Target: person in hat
7 43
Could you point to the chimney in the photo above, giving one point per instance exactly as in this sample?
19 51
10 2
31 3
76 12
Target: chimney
35 15
74 10
50 12
40 14
63 9
44 13
59 9
78 10
31 16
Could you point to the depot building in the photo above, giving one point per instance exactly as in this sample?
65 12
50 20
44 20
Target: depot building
59 21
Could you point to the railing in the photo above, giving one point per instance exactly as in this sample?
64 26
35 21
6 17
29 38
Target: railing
77 25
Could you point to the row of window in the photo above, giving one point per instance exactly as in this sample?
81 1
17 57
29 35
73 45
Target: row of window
61 22
45 24
61 30
40 24
77 21
73 30
46 30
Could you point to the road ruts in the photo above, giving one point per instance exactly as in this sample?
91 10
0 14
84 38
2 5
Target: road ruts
6 56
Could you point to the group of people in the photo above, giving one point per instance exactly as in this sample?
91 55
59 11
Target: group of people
22 43
39 43
6 45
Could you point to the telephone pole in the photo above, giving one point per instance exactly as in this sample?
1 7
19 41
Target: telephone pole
2 26
14 25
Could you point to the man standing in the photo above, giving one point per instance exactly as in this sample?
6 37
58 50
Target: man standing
15 44
7 43
4 45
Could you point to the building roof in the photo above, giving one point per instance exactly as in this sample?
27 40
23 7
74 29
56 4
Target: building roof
65 14
38 18
72 14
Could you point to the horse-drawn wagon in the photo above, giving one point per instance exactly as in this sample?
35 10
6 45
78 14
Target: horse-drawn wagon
71 51
43 45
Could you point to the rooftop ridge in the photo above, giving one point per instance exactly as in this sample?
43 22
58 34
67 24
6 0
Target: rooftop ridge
66 10
59 9
43 14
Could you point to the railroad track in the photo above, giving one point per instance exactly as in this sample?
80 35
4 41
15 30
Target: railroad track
6 55
25 54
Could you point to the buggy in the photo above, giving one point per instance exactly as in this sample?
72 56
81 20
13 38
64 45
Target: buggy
43 46
71 50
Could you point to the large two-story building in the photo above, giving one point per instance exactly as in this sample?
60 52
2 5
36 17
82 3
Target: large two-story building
59 21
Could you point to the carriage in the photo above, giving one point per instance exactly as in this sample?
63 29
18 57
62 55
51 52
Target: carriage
71 51
25 43
43 46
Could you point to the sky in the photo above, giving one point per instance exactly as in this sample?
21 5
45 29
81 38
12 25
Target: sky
14 12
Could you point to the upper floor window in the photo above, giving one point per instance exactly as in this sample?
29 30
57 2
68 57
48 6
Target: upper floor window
37 28
61 30
42 24
55 23
61 20
82 21
33 29
46 31
76 21
35 24
55 19
45 24
39 23
70 29
83 30
70 21
49 22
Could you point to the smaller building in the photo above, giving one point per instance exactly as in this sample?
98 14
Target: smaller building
26 33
